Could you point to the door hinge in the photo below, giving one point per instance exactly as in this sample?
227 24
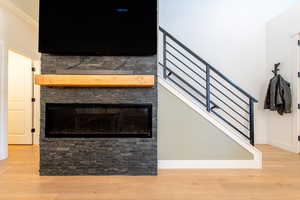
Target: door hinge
299 138
33 69
298 42
33 130
32 100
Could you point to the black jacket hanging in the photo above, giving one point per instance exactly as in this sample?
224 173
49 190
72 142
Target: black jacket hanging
279 96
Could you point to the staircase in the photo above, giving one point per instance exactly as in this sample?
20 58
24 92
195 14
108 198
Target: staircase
206 87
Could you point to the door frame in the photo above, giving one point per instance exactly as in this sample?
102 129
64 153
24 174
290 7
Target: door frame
294 59
297 96
36 104
29 117
3 102
4 99
36 91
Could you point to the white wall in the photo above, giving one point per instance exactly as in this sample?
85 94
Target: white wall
18 33
28 6
230 35
282 35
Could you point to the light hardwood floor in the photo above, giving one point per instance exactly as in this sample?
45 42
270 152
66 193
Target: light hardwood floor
279 180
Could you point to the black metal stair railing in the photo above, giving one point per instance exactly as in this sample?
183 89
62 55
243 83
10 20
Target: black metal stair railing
207 86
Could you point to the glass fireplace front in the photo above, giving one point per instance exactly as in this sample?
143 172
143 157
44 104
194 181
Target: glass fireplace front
98 120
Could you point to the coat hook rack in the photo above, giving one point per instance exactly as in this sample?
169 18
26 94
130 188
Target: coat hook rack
276 69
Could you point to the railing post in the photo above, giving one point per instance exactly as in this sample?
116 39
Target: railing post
165 55
251 113
208 107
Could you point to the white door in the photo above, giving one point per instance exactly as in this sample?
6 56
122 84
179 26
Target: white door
19 99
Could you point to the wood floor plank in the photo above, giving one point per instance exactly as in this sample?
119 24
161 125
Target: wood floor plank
278 180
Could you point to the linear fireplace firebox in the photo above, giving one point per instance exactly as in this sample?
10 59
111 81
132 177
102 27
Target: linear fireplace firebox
98 120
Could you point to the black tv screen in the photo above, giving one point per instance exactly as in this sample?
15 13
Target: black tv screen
98 27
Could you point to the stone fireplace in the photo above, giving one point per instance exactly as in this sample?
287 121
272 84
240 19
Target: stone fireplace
98 131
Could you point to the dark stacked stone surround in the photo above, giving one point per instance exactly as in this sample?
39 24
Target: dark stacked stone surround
98 156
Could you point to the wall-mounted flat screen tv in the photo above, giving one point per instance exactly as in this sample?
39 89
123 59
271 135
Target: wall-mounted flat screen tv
98 27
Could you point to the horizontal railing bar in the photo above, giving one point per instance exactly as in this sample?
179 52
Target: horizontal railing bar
230 90
204 80
198 92
233 84
211 92
185 65
203 96
207 64
222 118
233 118
202 71
186 57
189 85
229 99
201 101
229 107
197 99
186 73
183 46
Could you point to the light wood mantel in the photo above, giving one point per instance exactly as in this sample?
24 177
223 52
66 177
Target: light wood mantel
95 80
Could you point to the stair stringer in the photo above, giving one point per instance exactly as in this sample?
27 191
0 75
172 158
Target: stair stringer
256 163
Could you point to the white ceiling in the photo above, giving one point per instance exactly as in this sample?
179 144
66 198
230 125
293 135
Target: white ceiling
28 6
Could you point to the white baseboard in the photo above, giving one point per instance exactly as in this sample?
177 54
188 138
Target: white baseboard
209 164
284 146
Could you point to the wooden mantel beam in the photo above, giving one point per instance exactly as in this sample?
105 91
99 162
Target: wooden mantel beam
95 80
